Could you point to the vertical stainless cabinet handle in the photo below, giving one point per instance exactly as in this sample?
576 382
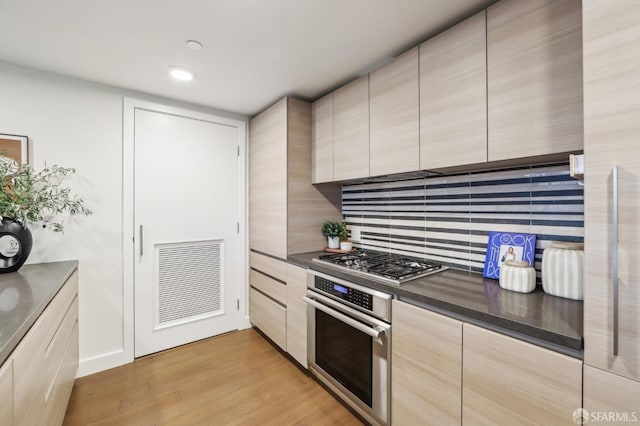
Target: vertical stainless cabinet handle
614 257
141 241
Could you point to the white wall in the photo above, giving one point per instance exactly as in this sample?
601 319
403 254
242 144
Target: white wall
79 124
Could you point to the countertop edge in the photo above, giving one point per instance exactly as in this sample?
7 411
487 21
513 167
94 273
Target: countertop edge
13 342
567 345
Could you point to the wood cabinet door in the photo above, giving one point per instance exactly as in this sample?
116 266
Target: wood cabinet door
268 181
351 130
612 138
453 96
394 144
297 314
322 140
508 382
426 362
609 398
6 393
534 75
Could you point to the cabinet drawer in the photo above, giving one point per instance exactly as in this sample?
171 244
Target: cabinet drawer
268 265
269 286
37 357
6 393
269 317
57 397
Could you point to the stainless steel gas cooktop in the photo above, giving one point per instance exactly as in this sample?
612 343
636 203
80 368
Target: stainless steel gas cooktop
388 267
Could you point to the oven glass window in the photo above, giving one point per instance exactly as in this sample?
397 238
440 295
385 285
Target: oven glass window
346 354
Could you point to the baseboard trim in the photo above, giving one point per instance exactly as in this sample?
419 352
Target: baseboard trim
102 362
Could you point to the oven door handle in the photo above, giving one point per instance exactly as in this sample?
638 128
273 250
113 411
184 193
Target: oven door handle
376 332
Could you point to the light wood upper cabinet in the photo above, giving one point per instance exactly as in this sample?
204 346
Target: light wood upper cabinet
286 211
394 116
297 314
508 382
426 362
351 130
606 393
612 137
534 76
453 96
268 180
322 140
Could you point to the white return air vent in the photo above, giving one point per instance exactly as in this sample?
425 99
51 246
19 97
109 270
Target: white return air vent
189 281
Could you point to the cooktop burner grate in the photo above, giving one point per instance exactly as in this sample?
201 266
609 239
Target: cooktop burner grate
389 267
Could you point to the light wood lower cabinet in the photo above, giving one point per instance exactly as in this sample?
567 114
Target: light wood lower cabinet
507 381
609 398
6 393
46 360
297 314
269 316
426 362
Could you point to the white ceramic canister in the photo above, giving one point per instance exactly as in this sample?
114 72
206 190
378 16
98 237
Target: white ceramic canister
517 275
563 270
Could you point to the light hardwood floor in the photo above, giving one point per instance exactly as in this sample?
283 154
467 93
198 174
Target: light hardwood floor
234 379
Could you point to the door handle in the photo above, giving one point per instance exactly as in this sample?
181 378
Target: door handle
614 257
141 231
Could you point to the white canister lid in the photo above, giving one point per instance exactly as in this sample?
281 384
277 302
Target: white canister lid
517 263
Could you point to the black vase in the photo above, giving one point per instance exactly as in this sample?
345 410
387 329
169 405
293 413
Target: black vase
15 245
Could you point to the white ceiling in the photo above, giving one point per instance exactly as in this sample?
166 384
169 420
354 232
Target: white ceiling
255 51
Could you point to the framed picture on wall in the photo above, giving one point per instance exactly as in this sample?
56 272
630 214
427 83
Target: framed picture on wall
15 147
503 246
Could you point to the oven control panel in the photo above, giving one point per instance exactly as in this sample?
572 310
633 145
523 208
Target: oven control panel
348 294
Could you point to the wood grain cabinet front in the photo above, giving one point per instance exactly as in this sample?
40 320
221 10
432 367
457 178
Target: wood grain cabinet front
394 144
322 140
297 314
6 393
612 184
46 360
351 130
534 78
426 362
507 381
453 96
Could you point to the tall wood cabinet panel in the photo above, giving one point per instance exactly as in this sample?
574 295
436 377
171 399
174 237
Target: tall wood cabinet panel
286 211
351 130
426 362
6 393
453 96
612 137
507 381
606 393
322 140
394 140
268 180
534 76
297 314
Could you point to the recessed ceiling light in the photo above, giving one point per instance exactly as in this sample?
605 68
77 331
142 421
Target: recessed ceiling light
181 74
194 45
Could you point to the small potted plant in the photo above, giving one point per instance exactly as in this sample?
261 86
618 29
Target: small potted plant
332 230
28 197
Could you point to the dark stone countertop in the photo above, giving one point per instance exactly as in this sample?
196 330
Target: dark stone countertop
539 318
23 297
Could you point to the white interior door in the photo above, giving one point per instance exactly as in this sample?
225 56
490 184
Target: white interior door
185 207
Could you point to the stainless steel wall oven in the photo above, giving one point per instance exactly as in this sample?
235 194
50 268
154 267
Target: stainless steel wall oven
349 342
